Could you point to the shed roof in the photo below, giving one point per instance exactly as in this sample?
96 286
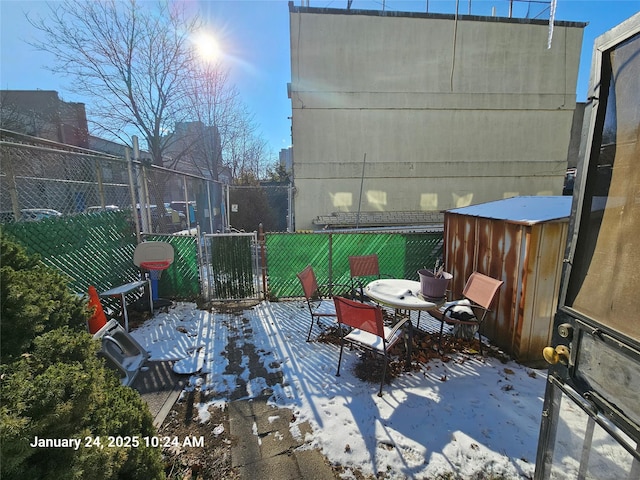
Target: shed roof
527 210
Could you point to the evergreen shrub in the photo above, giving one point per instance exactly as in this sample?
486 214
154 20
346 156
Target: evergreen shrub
54 386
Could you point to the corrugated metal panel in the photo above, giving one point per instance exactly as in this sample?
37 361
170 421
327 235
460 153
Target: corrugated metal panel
527 258
546 246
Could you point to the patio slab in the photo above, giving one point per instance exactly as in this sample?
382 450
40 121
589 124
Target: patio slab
266 448
159 387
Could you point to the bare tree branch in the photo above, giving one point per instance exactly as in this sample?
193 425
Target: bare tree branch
137 62
129 61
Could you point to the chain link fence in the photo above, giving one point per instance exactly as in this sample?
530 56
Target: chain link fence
268 205
84 212
231 267
41 179
400 254
88 249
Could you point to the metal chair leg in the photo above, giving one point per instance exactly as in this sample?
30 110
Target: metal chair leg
310 328
340 357
384 373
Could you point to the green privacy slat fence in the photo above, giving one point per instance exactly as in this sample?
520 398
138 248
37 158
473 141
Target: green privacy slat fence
389 247
288 254
181 280
231 272
400 255
95 249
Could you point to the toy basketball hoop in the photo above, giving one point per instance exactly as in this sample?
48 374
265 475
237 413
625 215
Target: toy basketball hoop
154 257
156 266
155 272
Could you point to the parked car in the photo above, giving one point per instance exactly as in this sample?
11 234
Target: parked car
99 208
35 214
171 221
29 215
182 207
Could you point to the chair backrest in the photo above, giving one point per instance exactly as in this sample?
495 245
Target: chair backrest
481 289
308 281
364 265
360 315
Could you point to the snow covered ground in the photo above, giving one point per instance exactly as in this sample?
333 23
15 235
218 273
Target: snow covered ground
470 417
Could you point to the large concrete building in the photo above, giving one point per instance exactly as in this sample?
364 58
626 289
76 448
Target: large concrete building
416 112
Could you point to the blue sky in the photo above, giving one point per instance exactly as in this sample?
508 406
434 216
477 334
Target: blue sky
255 35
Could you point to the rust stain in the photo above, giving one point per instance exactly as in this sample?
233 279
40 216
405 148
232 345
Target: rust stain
504 250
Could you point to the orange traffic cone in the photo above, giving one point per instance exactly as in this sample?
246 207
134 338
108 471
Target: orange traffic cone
98 319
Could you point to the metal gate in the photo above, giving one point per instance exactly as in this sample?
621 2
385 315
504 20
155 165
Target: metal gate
591 418
230 267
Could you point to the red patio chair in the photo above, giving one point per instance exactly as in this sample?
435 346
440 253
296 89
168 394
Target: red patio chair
472 309
368 330
314 297
362 267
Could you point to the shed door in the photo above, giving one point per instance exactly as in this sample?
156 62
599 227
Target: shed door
591 417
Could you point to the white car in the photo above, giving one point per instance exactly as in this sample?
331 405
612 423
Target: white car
35 214
106 208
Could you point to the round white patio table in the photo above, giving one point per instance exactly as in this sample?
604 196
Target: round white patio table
403 296
400 294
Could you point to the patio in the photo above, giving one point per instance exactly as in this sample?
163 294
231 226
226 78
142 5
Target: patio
461 414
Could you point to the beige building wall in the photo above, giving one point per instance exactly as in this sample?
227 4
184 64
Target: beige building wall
448 113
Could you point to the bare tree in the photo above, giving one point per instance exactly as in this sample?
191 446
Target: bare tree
216 110
137 61
247 155
216 103
129 59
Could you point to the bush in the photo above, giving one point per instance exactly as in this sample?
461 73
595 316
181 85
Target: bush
54 386
34 299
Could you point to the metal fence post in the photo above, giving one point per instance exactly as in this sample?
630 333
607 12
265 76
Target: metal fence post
263 260
202 265
290 208
145 211
210 207
13 189
228 226
132 192
103 202
330 261
187 212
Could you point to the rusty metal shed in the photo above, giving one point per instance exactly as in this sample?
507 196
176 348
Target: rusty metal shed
520 240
